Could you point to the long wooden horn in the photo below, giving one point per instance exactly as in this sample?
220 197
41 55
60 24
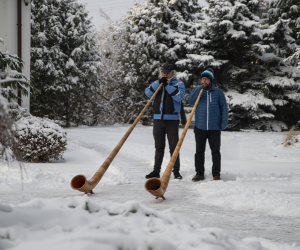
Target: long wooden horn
80 183
157 187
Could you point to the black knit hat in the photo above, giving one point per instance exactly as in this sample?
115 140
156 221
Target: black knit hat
167 67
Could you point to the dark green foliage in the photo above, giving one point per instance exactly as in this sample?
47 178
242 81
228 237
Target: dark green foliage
65 63
256 79
5 129
289 10
10 65
233 31
297 127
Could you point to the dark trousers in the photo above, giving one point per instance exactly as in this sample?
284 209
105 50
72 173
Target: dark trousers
214 140
161 128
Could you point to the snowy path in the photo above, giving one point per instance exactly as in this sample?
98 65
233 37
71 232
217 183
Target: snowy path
259 196
181 196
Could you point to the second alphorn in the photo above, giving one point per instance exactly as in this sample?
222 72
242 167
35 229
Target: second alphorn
157 187
80 183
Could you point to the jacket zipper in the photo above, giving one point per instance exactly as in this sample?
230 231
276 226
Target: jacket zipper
207 109
161 104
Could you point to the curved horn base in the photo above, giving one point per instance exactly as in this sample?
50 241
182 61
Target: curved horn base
80 183
154 187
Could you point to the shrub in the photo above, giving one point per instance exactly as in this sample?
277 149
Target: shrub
291 138
37 139
297 126
5 129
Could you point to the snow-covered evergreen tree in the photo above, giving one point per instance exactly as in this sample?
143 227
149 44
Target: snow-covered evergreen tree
179 29
255 54
184 38
286 9
283 85
126 70
5 125
153 32
10 67
65 64
290 11
294 59
10 81
233 33
246 53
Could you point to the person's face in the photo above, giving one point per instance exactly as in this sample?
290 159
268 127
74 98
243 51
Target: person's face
205 81
169 75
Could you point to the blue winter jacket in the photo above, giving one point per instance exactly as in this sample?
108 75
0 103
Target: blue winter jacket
211 112
167 102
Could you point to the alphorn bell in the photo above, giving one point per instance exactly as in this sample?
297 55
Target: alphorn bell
80 183
157 187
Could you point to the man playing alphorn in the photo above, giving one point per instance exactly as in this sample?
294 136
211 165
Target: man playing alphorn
166 109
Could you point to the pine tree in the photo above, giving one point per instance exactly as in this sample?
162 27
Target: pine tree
282 86
234 31
255 54
289 10
10 81
183 38
65 63
294 59
182 35
153 33
10 66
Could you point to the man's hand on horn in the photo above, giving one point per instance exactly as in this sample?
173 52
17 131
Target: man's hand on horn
163 80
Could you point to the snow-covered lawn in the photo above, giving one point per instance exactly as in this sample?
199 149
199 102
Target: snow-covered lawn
255 206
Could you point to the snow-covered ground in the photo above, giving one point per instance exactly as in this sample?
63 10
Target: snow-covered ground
255 206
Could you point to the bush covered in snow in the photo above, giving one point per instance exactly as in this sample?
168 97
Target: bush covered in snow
37 139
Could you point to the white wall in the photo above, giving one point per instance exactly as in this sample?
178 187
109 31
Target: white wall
9 33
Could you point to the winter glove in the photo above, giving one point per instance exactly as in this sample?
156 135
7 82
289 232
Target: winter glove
163 80
202 87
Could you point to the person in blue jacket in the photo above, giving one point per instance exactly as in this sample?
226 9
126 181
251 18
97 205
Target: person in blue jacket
166 108
211 116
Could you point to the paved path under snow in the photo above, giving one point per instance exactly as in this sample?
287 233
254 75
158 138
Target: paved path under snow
182 198
259 188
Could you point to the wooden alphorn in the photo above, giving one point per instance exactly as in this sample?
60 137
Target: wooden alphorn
80 183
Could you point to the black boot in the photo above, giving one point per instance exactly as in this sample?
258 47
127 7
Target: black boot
177 175
153 174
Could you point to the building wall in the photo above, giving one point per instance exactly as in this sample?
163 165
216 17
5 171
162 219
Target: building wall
9 34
